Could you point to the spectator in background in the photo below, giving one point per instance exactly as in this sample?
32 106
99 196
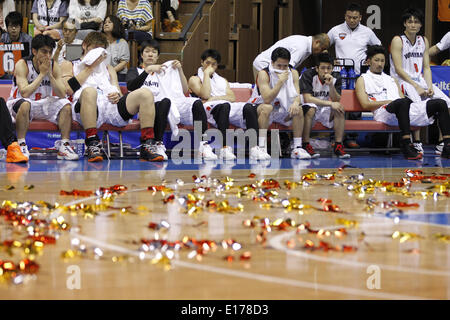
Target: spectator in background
136 16
14 33
14 21
69 33
170 22
118 50
6 6
48 17
88 15
351 40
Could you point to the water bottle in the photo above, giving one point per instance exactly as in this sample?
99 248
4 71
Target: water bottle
31 28
344 76
79 145
351 79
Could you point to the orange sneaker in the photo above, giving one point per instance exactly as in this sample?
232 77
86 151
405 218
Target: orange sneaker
14 154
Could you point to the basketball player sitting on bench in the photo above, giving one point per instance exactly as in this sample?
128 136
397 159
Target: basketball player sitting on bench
97 99
381 94
38 92
277 91
321 94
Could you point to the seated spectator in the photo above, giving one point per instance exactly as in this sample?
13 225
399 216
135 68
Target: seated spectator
14 32
88 15
14 27
136 17
170 22
69 33
48 17
118 50
6 6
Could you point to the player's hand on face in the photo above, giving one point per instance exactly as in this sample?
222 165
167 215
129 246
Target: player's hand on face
209 70
44 65
283 76
328 79
430 92
113 97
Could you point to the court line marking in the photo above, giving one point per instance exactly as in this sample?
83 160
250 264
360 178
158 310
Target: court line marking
258 277
277 243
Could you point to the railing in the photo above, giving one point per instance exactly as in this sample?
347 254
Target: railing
188 25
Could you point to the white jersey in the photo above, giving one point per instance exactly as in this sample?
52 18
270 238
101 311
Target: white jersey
43 91
352 44
48 16
300 48
381 87
444 44
412 58
152 82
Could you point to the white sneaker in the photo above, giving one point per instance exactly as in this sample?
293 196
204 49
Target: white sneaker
257 153
300 153
226 153
438 148
66 152
418 147
24 149
161 150
205 151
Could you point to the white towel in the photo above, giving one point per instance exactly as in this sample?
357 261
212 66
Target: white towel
287 93
99 78
171 88
380 86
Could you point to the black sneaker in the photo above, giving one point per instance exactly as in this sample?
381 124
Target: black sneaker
309 148
94 151
340 152
410 152
148 151
446 151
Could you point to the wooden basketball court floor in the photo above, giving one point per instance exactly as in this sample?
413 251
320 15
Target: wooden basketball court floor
331 229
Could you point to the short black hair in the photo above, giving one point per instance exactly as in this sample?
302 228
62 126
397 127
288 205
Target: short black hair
323 57
118 30
373 50
150 43
282 53
14 18
412 12
211 53
42 40
354 7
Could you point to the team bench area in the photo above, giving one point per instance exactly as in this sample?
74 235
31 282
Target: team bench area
348 99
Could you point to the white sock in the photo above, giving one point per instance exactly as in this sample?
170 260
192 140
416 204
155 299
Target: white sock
262 142
297 143
19 141
63 141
